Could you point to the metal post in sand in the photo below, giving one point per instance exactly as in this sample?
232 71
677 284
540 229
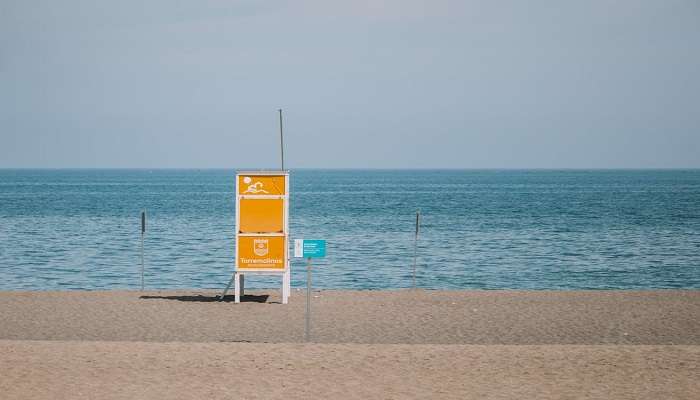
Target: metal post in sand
307 325
143 232
415 248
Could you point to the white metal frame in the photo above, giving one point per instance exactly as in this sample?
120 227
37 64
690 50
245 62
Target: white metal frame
239 273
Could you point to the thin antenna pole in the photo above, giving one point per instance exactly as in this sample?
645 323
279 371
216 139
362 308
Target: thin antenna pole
281 140
415 247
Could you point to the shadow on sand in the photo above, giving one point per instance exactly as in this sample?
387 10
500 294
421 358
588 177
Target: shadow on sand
248 298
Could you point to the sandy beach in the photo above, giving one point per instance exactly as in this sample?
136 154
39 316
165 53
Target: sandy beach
366 344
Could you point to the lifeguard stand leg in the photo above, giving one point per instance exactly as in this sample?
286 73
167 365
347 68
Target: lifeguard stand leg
237 287
242 284
221 298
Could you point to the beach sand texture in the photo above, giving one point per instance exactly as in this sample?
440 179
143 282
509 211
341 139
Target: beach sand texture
368 344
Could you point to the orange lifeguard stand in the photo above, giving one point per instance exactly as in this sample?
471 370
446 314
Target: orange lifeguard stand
262 229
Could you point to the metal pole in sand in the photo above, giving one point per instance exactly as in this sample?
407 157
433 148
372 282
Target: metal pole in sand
307 325
143 232
415 248
281 140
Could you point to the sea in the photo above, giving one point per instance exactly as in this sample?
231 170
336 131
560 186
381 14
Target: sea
79 229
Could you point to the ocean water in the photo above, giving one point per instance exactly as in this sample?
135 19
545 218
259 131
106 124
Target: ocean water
481 229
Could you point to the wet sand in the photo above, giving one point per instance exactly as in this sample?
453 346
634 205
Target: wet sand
366 344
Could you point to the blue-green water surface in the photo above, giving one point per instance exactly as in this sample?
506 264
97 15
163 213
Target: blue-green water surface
482 229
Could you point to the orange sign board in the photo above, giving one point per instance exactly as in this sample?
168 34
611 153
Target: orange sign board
261 216
262 252
261 185
261 221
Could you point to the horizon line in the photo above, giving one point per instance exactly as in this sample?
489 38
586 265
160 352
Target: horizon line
363 168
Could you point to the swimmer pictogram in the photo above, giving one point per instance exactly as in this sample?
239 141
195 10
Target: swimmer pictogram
253 188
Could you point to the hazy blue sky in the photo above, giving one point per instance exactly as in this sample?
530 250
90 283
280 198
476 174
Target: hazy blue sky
462 84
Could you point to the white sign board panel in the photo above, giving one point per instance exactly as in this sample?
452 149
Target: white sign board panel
298 247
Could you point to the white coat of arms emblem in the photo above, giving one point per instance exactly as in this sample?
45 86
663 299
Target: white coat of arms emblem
260 247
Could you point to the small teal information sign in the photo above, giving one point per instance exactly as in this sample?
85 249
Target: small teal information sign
309 248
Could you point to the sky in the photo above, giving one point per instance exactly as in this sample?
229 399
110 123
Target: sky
363 84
